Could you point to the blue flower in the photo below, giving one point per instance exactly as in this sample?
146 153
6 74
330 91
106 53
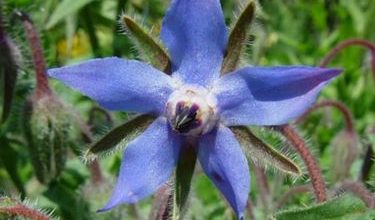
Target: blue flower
195 104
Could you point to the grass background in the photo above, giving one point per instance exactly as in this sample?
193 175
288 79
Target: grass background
289 32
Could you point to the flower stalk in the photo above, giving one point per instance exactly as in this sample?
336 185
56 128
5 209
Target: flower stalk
14 208
292 191
94 166
360 191
42 88
314 171
342 158
346 43
161 205
262 182
250 210
348 118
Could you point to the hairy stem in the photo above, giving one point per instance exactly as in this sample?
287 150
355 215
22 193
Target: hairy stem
334 104
262 183
94 166
161 204
250 209
291 192
24 211
42 87
96 173
312 166
344 44
360 191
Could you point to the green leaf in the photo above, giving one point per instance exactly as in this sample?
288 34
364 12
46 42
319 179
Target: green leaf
150 49
70 205
184 174
344 207
260 152
238 38
65 9
9 158
123 133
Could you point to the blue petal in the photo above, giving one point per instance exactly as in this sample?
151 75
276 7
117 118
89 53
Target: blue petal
147 164
118 84
222 160
195 34
269 95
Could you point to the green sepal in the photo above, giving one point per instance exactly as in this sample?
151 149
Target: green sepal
150 49
258 151
119 135
237 39
344 207
9 66
184 173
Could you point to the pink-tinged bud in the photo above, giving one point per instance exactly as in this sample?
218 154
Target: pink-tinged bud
345 149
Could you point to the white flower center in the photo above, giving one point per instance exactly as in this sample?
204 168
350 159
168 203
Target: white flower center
191 110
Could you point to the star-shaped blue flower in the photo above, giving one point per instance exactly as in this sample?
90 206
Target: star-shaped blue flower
194 104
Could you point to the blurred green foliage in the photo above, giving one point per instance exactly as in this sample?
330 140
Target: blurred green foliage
285 32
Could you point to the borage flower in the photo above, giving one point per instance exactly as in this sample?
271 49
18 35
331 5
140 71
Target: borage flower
195 105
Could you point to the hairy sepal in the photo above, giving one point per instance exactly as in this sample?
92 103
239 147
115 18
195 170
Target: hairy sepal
238 38
150 49
118 136
260 153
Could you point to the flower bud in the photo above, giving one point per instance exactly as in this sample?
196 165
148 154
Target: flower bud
46 128
345 148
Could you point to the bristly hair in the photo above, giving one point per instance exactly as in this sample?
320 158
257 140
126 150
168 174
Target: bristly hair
31 205
150 31
275 141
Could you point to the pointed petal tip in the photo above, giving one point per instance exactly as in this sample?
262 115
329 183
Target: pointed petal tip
51 72
102 210
240 216
335 71
107 207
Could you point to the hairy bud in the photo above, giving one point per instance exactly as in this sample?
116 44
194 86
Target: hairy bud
46 128
345 148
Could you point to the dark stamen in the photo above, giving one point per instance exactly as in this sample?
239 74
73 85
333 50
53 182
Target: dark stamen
186 117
